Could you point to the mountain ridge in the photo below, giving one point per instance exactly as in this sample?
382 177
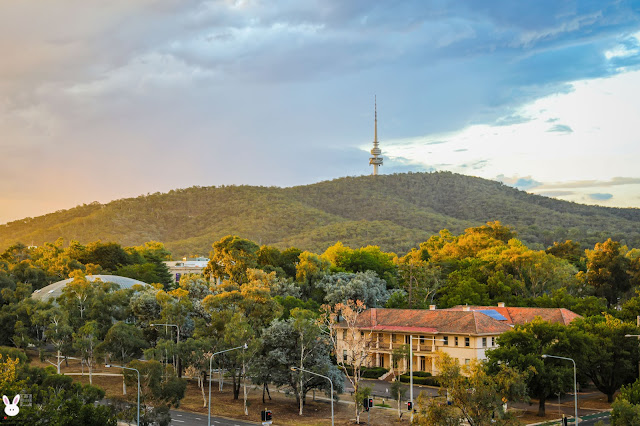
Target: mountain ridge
395 211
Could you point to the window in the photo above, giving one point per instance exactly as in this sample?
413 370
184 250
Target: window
493 341
393 338
456 341
422 340
467 342
344 334
446 340
407 340
484 342
362 334
344 355
467 361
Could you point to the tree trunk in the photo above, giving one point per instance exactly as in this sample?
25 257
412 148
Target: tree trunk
204 399
244 389
124 385
355 392
610 397
90 373
541 411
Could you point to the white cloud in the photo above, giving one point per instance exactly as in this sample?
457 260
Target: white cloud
603 142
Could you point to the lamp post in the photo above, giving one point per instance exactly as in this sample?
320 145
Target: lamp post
320 375
575 387
177 342
411 337
210 361
134 369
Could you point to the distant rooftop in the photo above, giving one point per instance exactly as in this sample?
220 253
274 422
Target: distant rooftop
517 315
430 321
54 290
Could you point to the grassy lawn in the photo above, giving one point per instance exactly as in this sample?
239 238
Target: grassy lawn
285 408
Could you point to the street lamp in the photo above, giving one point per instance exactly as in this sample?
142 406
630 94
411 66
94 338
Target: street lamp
177 341
320 375
134 369
210 361
575 387
411 337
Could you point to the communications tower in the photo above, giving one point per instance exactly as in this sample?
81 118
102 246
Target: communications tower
376 160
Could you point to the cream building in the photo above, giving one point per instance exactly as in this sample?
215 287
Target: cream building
179 268
463 332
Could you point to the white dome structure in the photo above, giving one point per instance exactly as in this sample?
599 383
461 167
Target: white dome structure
52 291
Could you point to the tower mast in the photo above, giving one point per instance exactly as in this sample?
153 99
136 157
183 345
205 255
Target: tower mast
376 160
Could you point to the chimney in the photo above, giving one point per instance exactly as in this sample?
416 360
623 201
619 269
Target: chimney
432 307
466 308
374 317
500 304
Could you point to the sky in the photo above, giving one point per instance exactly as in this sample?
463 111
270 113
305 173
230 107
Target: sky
100 101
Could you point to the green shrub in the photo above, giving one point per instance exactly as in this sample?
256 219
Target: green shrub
418 380
13 353
369 373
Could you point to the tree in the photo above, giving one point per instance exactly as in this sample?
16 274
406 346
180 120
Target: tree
522 348
159 385
85 340
345 334
309 270
364 286
58 334
478 394
432 412
231 257
626 407
418 277
123 342
607 358
607 268
398 391
296 341
569 250
76 298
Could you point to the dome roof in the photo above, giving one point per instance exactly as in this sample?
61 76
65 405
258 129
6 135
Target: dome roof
54 290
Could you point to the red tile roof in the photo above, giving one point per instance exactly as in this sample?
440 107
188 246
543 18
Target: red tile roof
430 322
515 315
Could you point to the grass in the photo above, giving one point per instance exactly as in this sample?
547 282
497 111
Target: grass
284 406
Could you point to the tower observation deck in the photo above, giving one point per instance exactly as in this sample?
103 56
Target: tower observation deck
376 159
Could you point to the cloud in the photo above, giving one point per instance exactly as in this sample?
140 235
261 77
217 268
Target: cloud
599 196
523 183
616 181
280 93
556 194
561 128
511 120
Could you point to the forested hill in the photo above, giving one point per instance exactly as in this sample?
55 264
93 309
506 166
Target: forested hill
395 212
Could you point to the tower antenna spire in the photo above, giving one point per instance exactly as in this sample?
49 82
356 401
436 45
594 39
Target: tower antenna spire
376 159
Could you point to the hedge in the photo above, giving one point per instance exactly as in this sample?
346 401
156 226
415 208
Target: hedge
420 380
369 373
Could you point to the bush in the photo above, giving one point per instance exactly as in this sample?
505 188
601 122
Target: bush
373 373
421 380
369 373
13 353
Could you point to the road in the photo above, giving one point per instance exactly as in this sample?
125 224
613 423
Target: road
184 418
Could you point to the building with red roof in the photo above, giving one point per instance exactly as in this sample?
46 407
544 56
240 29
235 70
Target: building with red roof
463 332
